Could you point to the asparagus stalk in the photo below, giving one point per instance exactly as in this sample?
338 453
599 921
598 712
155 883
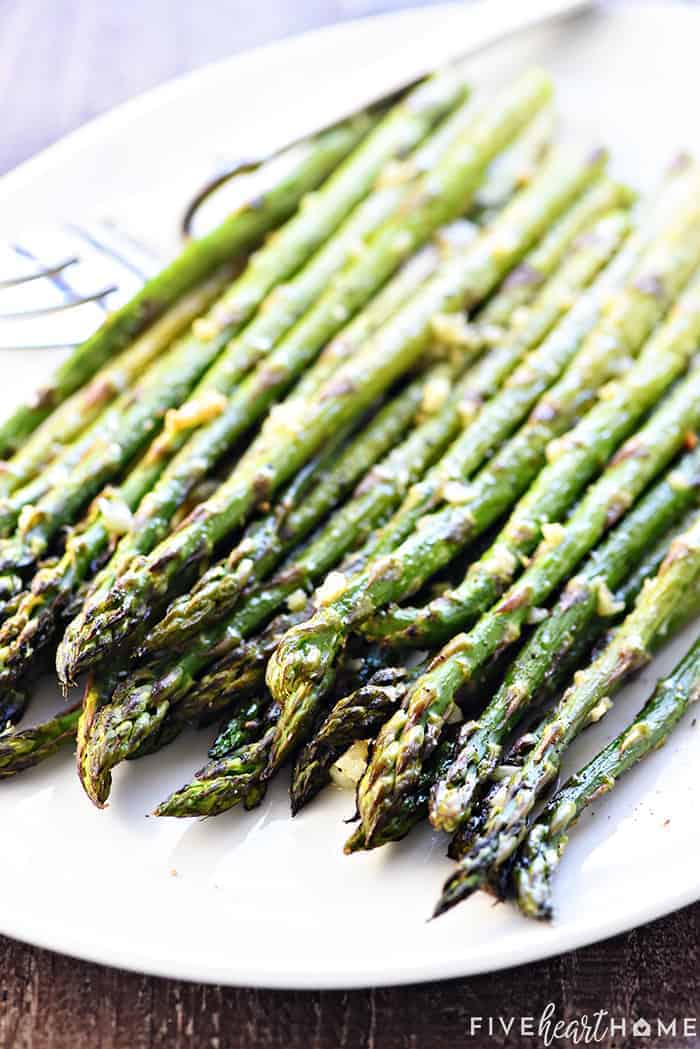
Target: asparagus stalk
267 540
76 413
522 285
285 444
414 804
585 602
146 697
241 750
301 669
584 348
32 626
516 166
227 780
283 256
505 822
541 852
435 198
411 734
245 726
21 749
195 263
356 716
576 456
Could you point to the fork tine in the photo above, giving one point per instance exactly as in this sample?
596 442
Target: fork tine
59 307
47 273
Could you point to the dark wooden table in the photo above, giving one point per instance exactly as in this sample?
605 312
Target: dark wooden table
60 64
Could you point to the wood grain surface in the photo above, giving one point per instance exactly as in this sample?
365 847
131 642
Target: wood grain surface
61 63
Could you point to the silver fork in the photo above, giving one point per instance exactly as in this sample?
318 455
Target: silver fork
56 287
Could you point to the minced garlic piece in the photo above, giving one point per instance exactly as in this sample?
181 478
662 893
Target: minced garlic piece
678 482
599 710
536 615
504 563
636 734
607 605
296 602
349 769
519 318
332 587
195 412
115 513
453 329
27 517
553 534
564 813
435 394
455 492
205 329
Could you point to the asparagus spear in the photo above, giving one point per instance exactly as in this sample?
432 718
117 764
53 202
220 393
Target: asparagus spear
245 726
520 287
505 822
355 716
196 262
436 197
596 321
411 734
541 852
291 247
145 698
516 166
21 749
225 781
285 443
32 625
582 349
414 804
301 669
83 407
662 360
267 540
241 750
586 600
218 584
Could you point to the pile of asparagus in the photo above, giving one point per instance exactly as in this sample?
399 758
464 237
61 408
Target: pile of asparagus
394 475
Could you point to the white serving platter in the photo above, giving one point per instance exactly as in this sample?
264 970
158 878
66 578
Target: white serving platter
260 899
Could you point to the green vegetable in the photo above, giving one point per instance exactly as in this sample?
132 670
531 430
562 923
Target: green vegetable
505 822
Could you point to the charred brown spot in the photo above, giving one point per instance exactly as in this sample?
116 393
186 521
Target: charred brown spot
617 507
632 449
97 392
600 790
678 552
576 593
339 388
271 376
690 440
524 276
262 487
44 398
651 284
545 411
630 659
200 513
516 600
